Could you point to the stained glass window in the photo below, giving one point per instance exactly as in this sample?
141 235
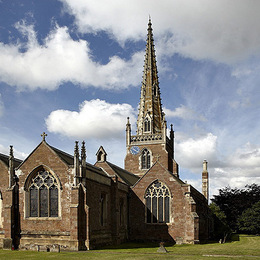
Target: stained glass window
157 203
43 195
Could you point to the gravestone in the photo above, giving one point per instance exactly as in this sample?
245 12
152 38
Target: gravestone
162 249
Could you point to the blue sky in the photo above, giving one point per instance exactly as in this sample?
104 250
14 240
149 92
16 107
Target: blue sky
73 68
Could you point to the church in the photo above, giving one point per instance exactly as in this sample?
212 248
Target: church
54 201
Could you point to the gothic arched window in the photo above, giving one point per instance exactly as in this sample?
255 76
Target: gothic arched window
147 125
145 159
157 198
43 195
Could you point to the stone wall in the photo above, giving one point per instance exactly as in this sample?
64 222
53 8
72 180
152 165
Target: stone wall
78 225
158 151
184 213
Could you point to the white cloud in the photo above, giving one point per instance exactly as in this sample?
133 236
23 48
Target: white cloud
191 152
1 106
225 31
184 112
61 59
240 72
236 170
17 154
4 150
95 119
246 157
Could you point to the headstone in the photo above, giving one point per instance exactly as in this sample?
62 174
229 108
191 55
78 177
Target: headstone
162 249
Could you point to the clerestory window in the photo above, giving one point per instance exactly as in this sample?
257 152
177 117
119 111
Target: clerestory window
157 198
43 195
145 159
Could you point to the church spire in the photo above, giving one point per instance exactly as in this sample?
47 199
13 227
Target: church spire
150 117
151 136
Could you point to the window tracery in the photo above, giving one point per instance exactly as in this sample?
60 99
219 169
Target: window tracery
145 159
43 195
157 198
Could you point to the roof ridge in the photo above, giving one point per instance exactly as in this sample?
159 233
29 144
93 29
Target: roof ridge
123 169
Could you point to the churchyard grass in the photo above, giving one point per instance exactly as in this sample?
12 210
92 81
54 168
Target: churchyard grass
241 247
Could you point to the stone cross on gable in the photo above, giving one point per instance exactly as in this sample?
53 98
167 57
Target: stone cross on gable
43 135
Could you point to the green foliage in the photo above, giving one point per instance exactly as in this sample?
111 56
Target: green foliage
249 221
215 209
234 201
221 228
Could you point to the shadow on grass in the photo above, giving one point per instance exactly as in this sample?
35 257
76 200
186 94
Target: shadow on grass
135 245
234 237
143 245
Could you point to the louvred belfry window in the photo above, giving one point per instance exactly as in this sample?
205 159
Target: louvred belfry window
43 195
157 198
145 159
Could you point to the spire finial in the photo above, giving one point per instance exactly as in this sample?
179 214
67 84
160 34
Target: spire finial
150 24
11 151
83 151
205 166
11 167
76 149
43 135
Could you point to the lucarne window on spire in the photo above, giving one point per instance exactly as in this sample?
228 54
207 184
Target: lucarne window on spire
147 125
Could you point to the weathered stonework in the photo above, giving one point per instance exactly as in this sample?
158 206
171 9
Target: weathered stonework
53 201
188 209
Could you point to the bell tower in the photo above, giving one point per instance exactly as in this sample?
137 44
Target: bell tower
151 143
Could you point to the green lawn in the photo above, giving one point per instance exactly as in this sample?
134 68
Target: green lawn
241 247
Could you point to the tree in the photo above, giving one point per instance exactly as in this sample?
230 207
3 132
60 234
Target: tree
234 201
249 221
221 228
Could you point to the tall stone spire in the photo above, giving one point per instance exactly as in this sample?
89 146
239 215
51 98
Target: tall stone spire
151 140
150 118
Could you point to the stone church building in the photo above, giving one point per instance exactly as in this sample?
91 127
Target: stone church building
56 201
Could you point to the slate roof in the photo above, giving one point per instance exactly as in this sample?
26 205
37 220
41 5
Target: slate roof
96 169
126 176
69 160
5 159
